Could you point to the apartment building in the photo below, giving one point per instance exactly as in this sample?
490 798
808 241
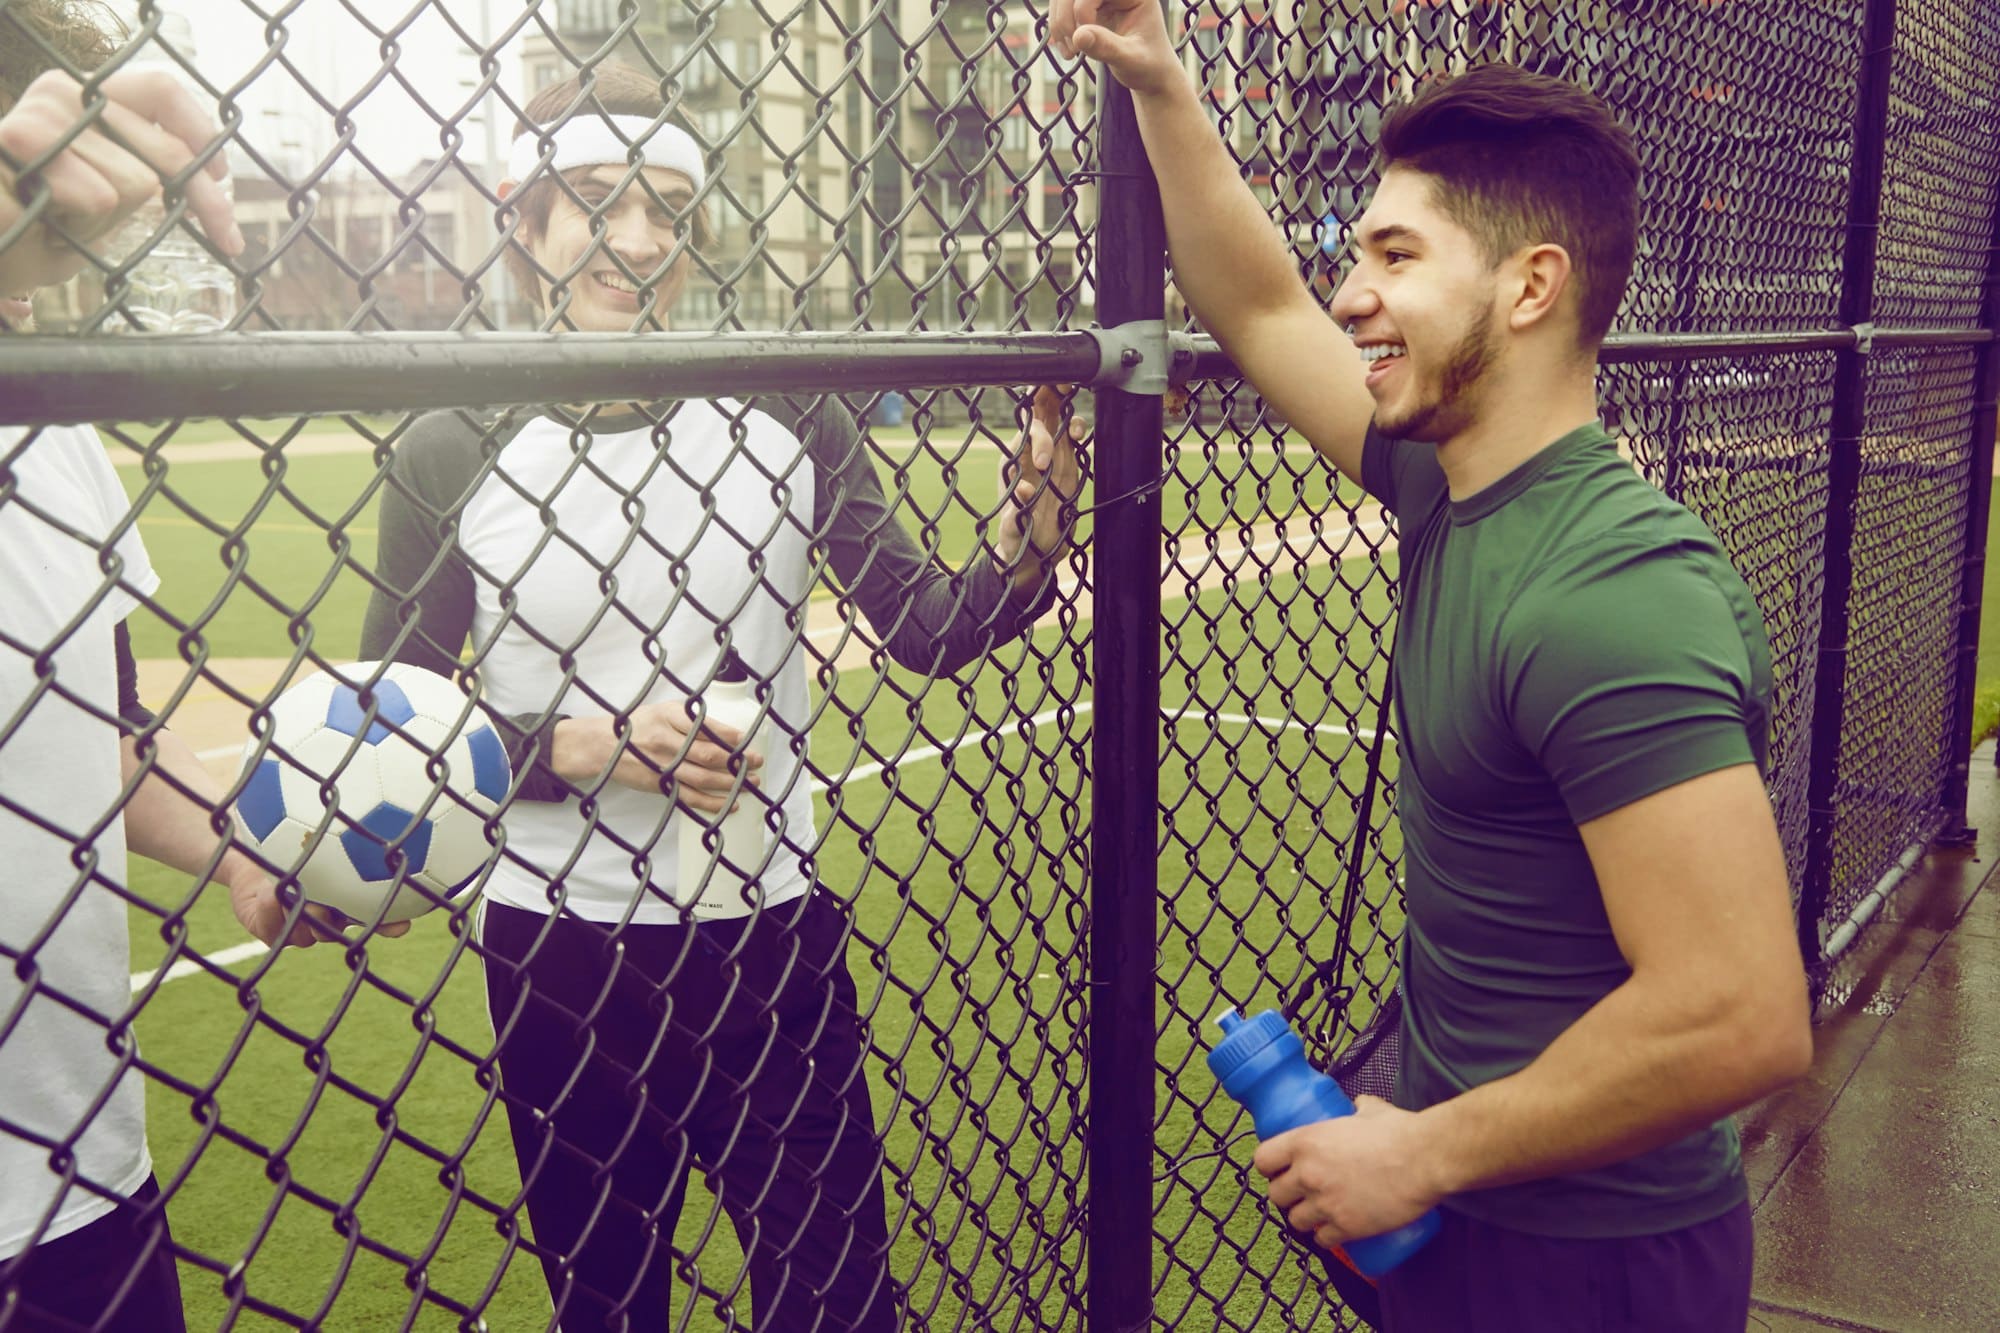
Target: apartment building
918 169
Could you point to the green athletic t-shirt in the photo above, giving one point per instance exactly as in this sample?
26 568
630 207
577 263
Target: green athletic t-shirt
1570 641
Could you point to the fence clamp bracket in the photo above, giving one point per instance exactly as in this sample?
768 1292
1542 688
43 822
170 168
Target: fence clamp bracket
1864 339
1139 357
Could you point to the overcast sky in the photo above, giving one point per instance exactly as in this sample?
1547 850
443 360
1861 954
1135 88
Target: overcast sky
334 51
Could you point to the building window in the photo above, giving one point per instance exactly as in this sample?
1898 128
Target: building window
364 240
587 16
442 233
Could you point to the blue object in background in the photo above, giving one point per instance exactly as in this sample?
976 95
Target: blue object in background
1329 235
889 409
1262 1064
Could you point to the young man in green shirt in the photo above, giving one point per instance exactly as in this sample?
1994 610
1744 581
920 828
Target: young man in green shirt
1600 960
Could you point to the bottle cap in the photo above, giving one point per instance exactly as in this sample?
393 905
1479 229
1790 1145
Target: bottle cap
1244 1040
732 668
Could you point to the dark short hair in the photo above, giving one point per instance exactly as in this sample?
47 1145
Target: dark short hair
610 89
40 35
1522 159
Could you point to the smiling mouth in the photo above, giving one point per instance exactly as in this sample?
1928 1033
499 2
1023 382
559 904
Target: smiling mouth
1376 353
615 282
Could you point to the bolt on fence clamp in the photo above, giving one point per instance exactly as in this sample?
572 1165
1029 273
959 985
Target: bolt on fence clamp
1139 357
1864 339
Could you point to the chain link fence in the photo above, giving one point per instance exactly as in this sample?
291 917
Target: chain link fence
1039 836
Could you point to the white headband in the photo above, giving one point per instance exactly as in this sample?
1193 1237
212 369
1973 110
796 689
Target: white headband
596 141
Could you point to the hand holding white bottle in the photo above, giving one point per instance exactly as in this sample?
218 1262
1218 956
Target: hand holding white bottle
722 855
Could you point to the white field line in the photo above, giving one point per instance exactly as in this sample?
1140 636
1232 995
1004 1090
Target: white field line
929 752
1284 724
188 967
237 953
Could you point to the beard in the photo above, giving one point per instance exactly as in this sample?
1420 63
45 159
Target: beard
1450 411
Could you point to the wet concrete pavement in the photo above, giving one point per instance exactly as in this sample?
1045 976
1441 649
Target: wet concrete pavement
1876 1180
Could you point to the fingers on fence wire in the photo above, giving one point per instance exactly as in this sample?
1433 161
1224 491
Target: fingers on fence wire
1040 485
92 159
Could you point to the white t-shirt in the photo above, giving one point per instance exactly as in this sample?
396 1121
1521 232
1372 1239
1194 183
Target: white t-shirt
592 567
636 520
59 764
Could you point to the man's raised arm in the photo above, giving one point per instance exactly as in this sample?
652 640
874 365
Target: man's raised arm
1229 262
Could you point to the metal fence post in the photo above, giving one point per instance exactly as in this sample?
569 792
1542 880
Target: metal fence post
1130 259
1972 582
1850 413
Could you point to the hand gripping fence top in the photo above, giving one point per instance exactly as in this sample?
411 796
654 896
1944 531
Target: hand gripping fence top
909 1085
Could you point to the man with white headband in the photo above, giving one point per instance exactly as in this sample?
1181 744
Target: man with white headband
605 565
592 153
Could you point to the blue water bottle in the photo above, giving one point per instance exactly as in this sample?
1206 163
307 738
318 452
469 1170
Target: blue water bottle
1262 1064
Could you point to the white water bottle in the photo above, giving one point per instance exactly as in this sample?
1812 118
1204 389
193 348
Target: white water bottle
722 855
177 286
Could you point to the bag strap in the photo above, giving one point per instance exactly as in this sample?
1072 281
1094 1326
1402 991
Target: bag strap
1329 977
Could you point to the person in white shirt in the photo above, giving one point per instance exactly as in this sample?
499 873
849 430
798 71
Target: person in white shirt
83 1230
605 566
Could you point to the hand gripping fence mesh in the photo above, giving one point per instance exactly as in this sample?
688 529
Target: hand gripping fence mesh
1056 762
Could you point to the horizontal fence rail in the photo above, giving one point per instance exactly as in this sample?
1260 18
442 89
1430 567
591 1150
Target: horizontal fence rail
46 382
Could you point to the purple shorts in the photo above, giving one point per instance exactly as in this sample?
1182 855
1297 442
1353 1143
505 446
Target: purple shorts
1476 1278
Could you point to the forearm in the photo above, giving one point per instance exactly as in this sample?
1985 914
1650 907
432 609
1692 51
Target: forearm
1643 1067
945 622
1229 263
176 824
930 618
582 750
1026 574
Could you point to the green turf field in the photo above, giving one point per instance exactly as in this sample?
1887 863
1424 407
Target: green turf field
968 871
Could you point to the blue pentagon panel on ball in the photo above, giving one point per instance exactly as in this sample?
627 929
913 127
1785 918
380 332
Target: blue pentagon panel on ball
489 764
345 714
368 846
262 804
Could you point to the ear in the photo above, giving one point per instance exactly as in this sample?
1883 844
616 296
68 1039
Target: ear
1533 285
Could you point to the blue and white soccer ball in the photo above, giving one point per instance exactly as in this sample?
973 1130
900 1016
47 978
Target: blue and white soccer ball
408 822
